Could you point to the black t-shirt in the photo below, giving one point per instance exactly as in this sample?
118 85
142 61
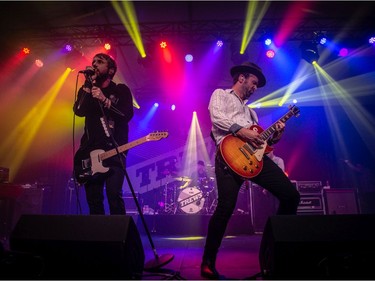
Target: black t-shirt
96 135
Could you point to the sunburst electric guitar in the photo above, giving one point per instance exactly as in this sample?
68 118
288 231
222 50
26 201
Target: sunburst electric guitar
242 157
88 164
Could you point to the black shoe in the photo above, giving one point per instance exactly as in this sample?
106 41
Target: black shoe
209 271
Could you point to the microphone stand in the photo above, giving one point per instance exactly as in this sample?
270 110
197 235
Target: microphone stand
158 261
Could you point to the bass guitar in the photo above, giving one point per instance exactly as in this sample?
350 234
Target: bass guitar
87 164
243 158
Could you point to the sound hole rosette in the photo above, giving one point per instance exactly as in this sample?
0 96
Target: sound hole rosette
190 200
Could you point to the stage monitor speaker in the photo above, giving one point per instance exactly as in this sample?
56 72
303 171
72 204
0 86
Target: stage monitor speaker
81 246
318 247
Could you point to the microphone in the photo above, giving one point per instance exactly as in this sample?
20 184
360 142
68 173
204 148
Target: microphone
87 71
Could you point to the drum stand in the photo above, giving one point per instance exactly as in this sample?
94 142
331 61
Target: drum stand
206 205
169 203
210 198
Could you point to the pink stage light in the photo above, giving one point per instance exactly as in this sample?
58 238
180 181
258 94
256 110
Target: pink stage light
270 54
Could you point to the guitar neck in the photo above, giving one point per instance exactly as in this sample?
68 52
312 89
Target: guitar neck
122 148
271 129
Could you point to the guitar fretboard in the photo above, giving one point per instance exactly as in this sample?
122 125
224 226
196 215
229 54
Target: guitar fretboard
122 148
127 146
267 133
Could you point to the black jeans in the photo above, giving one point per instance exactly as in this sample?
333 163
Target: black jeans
113 181
272 178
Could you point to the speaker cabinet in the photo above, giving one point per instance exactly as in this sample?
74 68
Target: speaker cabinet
15 201
81 246
318 247
341 201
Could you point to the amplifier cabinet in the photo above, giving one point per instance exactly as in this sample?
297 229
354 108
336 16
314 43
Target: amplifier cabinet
341 201
309 187
15 200
310 203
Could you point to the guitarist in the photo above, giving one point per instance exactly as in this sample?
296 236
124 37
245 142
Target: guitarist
107 108
230 114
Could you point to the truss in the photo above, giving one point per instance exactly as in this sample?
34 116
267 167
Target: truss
197 31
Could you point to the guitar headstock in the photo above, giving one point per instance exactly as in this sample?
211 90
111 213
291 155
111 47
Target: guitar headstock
294 110
157 136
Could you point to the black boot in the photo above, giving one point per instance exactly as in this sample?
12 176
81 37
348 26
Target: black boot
208 270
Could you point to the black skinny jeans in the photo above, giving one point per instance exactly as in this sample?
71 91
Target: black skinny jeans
272 178
113 181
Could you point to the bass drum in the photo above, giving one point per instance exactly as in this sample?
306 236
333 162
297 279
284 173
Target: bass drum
190 200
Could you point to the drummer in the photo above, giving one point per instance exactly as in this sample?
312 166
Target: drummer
200 175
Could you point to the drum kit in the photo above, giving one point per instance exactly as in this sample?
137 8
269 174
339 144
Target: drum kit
181 198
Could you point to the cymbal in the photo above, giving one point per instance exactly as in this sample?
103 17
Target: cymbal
182 178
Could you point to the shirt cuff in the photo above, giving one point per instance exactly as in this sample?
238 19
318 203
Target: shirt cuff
235 128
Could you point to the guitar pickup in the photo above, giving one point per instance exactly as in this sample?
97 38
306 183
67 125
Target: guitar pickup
244 153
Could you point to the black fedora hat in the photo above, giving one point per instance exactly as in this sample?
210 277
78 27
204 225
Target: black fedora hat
249 67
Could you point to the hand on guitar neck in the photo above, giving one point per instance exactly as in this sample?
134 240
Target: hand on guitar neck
252 137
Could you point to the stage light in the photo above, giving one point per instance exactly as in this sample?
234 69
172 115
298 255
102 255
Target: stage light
320 37
173 107
107 46
39 63
309 51
270 54
26 51
323 40
68 48
343 52
156 104
189 58
163 45
266 37
371 40
219 43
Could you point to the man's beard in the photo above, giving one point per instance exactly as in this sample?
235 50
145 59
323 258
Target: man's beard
100 79
248 94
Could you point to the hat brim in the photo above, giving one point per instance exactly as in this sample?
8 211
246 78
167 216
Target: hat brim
249 69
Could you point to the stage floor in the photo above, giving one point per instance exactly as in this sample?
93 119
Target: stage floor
237 259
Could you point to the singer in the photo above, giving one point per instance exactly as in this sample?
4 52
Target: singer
105 129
